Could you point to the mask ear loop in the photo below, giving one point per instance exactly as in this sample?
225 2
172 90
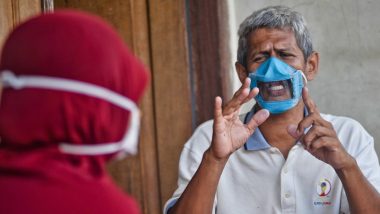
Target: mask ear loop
304 77
129 142
10 80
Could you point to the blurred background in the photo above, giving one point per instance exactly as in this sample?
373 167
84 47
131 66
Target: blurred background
190 48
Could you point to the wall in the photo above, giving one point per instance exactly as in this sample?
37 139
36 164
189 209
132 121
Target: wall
346 33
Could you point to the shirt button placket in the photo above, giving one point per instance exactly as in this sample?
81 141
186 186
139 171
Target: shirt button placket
285 170
287 185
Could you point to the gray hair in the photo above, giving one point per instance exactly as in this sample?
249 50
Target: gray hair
278 17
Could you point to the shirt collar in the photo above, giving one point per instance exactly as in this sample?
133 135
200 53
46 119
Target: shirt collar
257 141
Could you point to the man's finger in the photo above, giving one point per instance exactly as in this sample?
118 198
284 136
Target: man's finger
309 103
311 120
246 84
320 143
304 124
253 93
317 131
219 124
314 133
218 109
238 99
258 119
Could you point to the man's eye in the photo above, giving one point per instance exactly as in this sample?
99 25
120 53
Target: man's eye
259 59
285 55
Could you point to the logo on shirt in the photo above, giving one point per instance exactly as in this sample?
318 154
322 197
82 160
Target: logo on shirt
323 187
323 191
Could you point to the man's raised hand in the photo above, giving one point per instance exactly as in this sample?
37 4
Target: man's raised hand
321 139
229 133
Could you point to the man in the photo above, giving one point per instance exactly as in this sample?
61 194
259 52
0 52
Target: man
283 156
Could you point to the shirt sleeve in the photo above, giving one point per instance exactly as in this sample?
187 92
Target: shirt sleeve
190 159
363 150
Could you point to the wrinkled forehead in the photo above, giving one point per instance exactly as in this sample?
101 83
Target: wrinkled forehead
266 38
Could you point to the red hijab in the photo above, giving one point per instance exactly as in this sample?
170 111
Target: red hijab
35 177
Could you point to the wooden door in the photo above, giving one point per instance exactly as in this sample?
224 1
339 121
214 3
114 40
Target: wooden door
12 12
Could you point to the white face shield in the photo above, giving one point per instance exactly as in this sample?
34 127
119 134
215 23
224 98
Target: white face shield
127 145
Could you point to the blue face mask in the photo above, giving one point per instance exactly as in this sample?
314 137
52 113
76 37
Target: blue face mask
273 70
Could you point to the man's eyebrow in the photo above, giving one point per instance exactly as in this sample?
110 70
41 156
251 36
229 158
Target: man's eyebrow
254 53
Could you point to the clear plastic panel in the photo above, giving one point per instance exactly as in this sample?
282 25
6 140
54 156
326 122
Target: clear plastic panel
276 91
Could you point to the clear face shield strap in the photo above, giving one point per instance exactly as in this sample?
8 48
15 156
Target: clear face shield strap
127 144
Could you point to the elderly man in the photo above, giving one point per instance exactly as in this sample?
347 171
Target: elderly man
283 156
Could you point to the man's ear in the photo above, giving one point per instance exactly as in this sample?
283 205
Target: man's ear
241 72
312 65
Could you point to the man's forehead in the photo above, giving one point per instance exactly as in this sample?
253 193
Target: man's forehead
264 38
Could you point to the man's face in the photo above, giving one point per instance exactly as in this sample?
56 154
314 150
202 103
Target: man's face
264 43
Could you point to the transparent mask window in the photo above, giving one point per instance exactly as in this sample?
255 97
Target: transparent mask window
276 91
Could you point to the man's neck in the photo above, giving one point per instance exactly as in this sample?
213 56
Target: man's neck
274 129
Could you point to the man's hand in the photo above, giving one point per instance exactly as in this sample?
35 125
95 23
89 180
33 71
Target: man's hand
321 140
229 133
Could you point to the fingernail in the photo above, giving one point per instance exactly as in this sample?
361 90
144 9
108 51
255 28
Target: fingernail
264 114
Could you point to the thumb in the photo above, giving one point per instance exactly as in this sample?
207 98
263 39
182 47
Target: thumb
292 130
258 119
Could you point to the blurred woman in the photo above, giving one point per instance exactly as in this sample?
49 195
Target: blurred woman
68 106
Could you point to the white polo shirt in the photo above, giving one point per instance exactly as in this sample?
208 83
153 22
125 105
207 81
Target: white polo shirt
257 178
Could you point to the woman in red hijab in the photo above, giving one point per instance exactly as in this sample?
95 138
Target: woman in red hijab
68 105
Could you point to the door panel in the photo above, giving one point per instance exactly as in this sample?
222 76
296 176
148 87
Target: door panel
12 12
137 175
